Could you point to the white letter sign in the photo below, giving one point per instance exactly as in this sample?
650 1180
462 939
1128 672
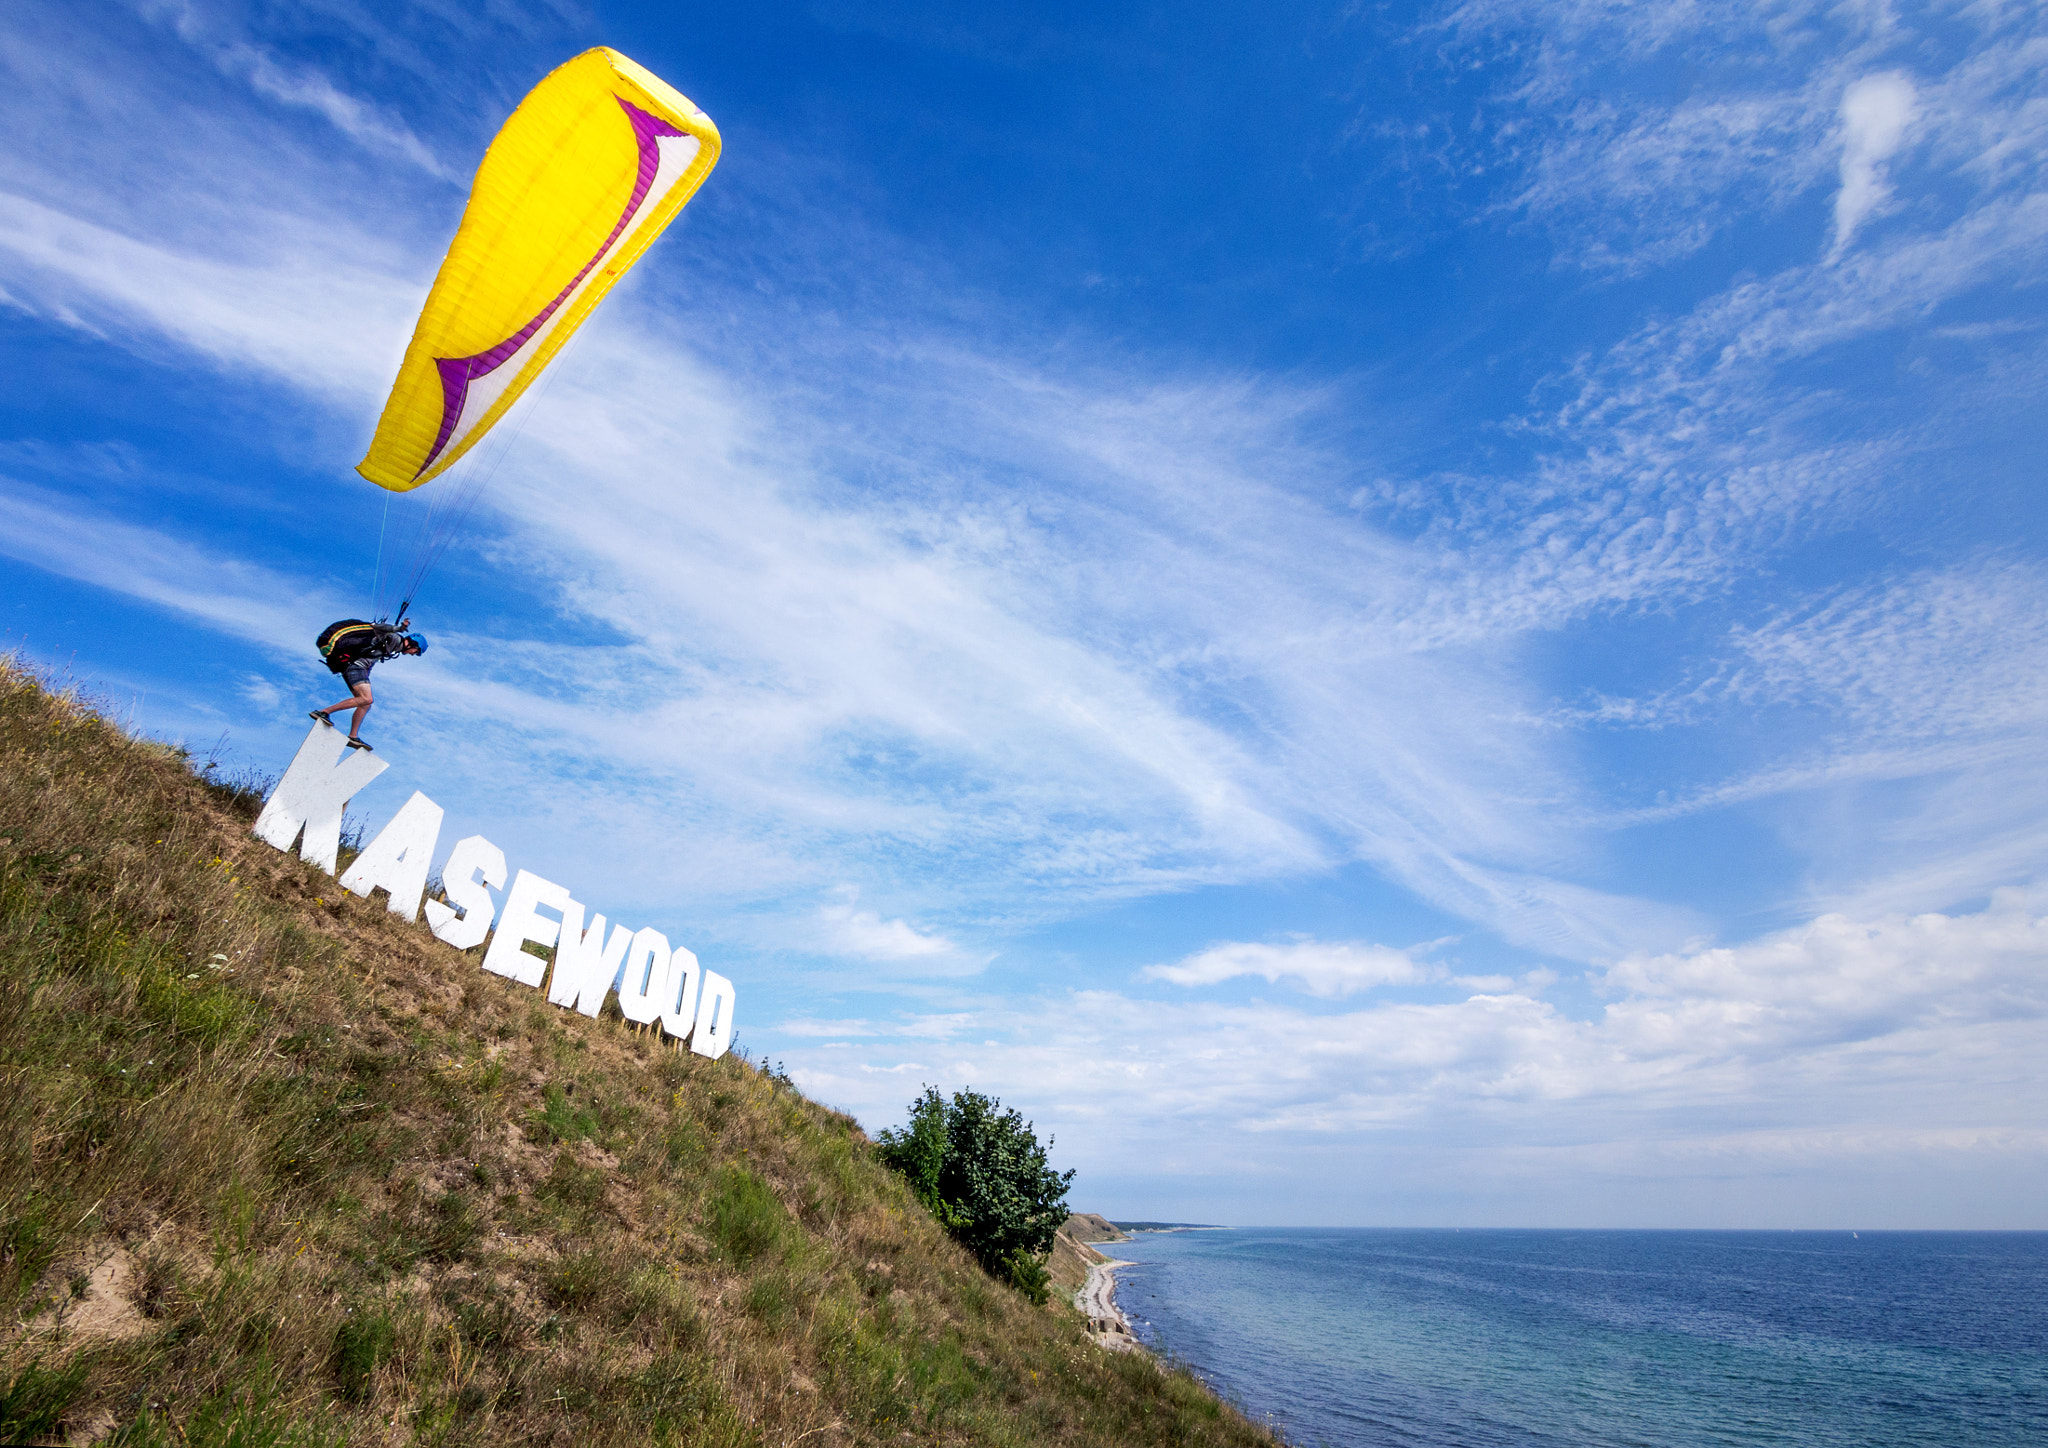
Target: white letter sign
714 1017
679 995
312 795
646 973
585 962
469 919
508 954
396 861
656 983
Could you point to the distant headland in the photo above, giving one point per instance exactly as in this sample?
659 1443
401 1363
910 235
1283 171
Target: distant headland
1170 1226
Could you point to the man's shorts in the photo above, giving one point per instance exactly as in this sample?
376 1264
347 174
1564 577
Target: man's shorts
355 674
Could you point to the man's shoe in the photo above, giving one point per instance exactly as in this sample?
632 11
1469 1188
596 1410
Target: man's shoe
318 717
360 744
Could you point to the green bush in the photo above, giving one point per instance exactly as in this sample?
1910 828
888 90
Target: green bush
1026 1272
982 1172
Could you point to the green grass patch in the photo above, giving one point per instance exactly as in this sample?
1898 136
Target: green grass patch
33 1403
746 1217
561 1119
362 1344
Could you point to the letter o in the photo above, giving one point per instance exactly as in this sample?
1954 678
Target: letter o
645 980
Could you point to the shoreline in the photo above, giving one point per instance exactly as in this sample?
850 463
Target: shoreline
1097 1302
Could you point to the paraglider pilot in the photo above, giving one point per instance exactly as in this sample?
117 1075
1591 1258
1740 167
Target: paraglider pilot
352 648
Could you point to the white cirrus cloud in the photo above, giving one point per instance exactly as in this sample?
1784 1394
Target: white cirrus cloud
1949 653
1876 112
1322 968
310 89
864 933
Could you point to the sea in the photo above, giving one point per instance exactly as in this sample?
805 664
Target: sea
1583 1339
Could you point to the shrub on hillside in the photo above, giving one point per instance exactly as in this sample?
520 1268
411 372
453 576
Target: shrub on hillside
982 1172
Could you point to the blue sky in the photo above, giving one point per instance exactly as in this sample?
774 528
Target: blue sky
1416 614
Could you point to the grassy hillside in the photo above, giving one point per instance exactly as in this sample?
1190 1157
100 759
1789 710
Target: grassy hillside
276 1167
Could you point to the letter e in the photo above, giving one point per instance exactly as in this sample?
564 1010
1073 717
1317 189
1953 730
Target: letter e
521 923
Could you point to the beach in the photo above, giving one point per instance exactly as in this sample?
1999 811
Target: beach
1097 1301
1077 1265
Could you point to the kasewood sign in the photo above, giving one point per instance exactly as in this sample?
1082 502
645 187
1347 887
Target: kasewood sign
657 983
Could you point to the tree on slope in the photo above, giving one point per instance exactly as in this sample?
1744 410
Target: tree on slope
982 1172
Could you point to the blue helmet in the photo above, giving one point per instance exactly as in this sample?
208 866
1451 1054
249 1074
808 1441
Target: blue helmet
419 641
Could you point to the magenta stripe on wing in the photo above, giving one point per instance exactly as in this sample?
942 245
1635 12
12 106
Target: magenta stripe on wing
458 372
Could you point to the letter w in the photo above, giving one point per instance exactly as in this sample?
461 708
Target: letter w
312 795
586 963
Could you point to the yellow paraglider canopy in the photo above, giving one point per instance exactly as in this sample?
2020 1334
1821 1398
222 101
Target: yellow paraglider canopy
598 158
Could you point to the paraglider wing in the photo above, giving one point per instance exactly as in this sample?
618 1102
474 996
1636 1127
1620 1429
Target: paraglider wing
598 158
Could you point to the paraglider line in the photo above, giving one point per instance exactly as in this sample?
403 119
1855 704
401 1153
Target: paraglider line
445 519
377 578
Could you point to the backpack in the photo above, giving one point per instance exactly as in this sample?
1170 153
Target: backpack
342 641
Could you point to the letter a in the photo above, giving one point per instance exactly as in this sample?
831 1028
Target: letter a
312 795
396 861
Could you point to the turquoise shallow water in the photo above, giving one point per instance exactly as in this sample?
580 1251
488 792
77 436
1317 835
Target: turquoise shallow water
1364 1338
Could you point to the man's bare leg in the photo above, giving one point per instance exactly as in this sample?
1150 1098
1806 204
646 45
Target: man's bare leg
359 700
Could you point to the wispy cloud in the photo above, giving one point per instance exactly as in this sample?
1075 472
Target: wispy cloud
1876 112
864 933
239 598
1941 654
309 89
1627 188
310 317
1935 656
1809 1050
1693 444
1331 969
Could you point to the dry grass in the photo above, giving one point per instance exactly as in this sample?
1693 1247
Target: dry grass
278 1168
